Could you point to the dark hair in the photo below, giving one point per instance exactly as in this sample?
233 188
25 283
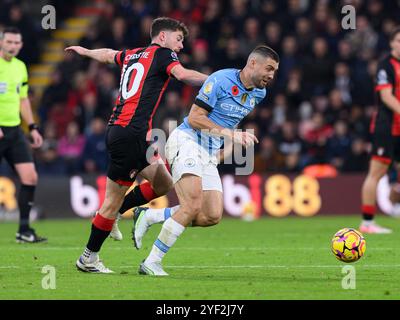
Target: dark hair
14 30
394 33
266 51
164 23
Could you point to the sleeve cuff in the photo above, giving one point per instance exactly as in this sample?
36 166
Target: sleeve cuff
383 86
119 57
170 66
203 105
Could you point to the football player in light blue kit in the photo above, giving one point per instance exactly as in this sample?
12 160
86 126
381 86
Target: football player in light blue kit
193 152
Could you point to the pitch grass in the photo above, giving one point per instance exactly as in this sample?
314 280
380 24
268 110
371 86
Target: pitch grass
287 258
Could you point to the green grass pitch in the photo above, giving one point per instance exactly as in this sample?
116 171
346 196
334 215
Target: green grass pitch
270 258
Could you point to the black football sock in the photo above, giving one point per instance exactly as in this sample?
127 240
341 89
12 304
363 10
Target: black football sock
25 203
101 228
133 199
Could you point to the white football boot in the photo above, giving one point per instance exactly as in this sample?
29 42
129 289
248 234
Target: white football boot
115 233
140 226
373 228
93 267
152 269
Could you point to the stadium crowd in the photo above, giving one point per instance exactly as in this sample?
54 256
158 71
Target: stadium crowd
317 111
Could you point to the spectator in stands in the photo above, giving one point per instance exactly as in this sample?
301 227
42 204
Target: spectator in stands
304 34
231 56
273 34
316 137
343 81
95 157
251 36
48 159
289 59
56 92
358 159
338 145
268 158
336 109
290 146
170 110
363 38
70 148
318 68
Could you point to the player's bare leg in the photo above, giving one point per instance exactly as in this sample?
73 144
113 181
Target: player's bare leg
211 214
189 191
394 195
211 210
159 183
377 170
159 177
101 227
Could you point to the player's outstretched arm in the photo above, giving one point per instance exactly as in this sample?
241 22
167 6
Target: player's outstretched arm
103 55
191 77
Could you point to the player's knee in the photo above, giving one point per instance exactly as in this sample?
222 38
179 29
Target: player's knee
192 208
195 208
30 178
110 208
376 174
212 220
214 217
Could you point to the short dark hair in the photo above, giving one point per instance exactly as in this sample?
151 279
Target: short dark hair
165 23
266 52
394 33
13 30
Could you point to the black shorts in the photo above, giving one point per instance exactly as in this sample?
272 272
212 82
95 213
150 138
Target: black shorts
14 146
128 154
385 147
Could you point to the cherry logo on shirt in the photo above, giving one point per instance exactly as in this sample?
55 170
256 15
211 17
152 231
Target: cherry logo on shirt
235 90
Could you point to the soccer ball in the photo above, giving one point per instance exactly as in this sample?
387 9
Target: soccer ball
348 245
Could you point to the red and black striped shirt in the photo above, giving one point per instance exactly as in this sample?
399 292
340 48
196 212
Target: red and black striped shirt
145 73
388 76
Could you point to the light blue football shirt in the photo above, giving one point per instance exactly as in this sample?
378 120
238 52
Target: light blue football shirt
226 99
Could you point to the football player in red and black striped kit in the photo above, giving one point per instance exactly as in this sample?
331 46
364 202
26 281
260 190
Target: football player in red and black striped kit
385 128
145 73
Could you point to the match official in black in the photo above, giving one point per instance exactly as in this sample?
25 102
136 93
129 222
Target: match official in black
14 103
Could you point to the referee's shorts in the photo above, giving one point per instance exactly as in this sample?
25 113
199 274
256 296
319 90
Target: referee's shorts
14 146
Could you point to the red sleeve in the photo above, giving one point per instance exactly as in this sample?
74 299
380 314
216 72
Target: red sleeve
119 57
383 86
171 65
166 59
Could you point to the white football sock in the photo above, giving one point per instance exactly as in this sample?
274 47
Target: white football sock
89 256
367 223
159 215
170 232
